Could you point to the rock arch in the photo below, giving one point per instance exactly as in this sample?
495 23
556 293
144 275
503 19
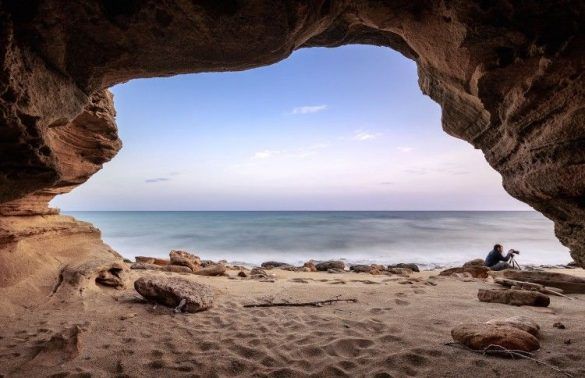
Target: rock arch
509 77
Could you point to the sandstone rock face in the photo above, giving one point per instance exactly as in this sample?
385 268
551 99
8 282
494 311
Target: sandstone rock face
508 76
480 336
170 291
514 297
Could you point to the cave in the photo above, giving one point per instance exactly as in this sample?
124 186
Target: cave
508 76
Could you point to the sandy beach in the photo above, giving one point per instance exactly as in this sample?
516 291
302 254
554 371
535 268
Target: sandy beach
398 327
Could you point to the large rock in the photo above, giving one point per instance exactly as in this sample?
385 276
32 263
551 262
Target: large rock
568 283
514 297
151 260
410 266
185 259
331 264
274 264
474 262
480 336
212 270
170 291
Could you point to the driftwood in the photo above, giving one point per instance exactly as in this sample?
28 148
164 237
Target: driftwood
302 304
497 350
530 286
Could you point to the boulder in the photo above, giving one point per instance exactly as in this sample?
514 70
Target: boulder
171 291
212 270
475 262
310 265
473 271
361 268
568 283
242 274
480 336
514 297
274 264
331 264
152 260
258 273
185 259
410 266
520 322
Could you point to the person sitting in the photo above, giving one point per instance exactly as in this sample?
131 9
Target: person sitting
495 260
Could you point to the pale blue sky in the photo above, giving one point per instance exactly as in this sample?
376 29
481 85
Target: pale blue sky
326 129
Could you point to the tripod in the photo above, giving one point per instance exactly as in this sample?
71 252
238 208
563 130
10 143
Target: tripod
514 263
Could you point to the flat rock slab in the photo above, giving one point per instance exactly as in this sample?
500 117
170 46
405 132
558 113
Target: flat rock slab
568 283
170 291
514 297
479 336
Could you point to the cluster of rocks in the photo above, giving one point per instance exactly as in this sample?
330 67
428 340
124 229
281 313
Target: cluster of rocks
516 333
181 262
339 266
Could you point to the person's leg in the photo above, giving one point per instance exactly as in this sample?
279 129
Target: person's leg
501 266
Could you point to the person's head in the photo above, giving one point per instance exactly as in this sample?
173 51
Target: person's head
499 248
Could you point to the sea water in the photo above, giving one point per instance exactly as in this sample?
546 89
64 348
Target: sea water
429 238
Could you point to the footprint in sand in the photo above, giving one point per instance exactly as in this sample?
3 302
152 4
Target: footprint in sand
401 302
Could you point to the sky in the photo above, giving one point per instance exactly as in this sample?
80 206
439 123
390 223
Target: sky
326 129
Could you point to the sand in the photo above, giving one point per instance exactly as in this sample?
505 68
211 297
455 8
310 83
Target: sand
396 329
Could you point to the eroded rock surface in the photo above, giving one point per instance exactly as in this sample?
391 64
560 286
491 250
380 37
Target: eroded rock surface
175 291
509 77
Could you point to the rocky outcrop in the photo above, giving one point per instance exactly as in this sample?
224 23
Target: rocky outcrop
509 77
566 282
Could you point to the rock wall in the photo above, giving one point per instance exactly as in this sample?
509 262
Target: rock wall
508 75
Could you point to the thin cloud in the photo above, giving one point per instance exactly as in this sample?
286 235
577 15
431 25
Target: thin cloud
265 154
405 149
309 109
363 136
157 179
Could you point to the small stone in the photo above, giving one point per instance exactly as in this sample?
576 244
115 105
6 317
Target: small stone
559 325
170 291
567 342
480 336
514 297
128 316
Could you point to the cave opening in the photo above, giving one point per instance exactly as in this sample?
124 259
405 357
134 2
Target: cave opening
344 129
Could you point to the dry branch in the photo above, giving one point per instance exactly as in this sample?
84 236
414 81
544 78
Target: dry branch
302 304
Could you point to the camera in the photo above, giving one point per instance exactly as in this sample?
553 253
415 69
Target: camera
516 252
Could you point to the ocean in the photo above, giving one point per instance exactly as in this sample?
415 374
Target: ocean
429 238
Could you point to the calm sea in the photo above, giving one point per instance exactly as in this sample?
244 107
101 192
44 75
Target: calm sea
434 237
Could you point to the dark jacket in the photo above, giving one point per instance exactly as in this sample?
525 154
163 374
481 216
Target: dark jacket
495 257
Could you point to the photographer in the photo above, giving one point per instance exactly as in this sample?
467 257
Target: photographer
495 260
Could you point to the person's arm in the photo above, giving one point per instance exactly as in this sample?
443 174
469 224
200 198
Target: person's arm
508 256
